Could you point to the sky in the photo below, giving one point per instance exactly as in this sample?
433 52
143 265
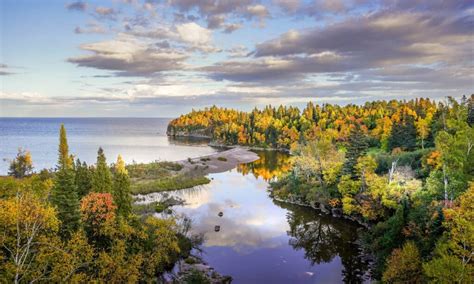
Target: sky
161 58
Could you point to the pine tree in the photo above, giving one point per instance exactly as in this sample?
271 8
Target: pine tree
102 178
83 178
357 146
470 111
403 134
121 192
64 192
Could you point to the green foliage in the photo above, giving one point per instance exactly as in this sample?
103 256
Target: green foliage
121 189
22 165
222 159
403 134
64 192
83 178
101 178
168 184
357 146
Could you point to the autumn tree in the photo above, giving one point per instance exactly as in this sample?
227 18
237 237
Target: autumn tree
98 216
404 265
453 258
26 225
22 165
102 178
121 189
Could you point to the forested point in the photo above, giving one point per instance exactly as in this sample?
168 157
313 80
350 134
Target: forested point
403 169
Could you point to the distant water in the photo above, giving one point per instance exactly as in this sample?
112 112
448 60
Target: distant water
136 139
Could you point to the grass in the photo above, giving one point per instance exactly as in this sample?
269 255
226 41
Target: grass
222 159
150 208
153 170
167 184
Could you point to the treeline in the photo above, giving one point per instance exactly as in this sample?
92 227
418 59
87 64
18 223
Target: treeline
394 124
76 225
417 202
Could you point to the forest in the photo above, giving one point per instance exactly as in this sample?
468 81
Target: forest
76 224
403 169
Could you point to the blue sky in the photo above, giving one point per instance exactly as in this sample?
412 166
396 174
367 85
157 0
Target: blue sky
165 57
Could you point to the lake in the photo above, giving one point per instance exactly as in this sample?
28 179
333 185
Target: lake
136 139
259 241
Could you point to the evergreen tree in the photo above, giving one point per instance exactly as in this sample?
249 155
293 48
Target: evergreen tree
64 191
357 146
403 134
83 178
102 178
121 192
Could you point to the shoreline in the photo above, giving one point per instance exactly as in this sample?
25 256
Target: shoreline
218 162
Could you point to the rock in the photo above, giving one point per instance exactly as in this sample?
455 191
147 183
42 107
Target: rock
336 212
217 228
220 214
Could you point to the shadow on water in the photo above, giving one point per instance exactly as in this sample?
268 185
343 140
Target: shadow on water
324 237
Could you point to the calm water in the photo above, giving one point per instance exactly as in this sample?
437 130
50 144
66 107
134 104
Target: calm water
264 241
136 139
260 240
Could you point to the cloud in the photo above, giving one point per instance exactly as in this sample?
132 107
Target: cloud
371 42
91 28
77 6
5 70
216 12
127 56
230 28
105 11
215 21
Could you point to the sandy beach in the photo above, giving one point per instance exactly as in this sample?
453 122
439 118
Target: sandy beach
219 162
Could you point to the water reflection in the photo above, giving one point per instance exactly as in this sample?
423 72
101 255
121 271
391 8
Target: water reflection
272 164
264 241
323 238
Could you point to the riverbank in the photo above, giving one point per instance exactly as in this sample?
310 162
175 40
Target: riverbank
334 212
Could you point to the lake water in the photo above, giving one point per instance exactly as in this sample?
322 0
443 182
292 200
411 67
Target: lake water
259 241
136 139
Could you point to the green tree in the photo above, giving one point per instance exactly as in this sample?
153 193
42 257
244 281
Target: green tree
102 178
403 134
64 192
22 165
357 146
83 178
121 189
454 252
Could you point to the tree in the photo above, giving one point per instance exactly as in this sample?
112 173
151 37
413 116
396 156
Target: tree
98 217
357 146
64 159
403 134
102 178
404 265
26 225
83 178
22 165
423 128
64 192
121 187
453 261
